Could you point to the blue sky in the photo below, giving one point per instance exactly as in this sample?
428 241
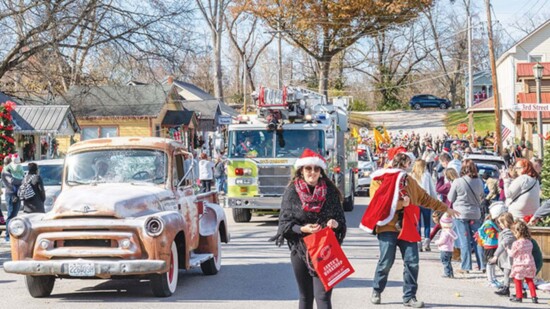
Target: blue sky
509 10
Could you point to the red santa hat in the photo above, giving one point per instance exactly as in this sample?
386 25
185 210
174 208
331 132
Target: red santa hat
310 157
395 150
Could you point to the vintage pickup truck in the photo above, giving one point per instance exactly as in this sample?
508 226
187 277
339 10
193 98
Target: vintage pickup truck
126 209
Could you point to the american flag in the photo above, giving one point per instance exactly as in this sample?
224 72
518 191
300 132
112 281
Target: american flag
504 131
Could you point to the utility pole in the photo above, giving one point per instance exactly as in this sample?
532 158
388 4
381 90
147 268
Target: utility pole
280 52
470 74
498 121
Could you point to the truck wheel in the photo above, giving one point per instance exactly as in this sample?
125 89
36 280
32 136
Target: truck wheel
242 215
165 285
39 286
213 266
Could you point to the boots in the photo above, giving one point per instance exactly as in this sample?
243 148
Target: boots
427 245
456 255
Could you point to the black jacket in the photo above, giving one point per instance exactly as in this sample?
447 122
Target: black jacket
292 217
35 203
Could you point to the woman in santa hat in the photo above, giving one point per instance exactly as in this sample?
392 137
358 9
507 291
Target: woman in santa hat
311 202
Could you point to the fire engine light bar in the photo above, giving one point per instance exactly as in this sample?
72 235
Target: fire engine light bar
308 117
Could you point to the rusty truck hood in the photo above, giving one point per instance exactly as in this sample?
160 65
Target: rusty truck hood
116 200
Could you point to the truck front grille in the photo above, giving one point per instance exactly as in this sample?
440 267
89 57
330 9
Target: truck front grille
272 180
87 243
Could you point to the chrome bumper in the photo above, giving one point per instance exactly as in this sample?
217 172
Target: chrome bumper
254 202
103 268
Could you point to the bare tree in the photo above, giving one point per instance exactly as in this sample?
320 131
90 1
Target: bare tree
213 13
248 42
449 53
395 56
65 41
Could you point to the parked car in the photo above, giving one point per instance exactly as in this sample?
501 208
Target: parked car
127 210
51 172
448 143
366 164
488 159
427 100
491 169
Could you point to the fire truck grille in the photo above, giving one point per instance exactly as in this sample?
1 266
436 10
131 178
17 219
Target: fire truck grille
272 180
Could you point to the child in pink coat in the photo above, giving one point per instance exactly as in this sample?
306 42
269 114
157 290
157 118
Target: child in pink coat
523 265
445 244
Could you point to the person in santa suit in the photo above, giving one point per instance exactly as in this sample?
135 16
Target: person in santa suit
394 192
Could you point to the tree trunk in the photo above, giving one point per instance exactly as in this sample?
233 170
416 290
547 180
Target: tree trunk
323 80
218 78
250 80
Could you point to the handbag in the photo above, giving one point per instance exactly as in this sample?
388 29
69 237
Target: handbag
328 258
26 191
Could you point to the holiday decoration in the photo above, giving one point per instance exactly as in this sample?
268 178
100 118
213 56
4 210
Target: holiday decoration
545 173
7 146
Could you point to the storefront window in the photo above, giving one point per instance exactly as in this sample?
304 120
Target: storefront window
96 132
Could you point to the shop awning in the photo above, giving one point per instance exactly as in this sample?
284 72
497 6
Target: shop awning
44 119
532 98
178 118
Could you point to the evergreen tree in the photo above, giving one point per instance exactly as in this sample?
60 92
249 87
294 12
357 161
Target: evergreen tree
7 146
545 173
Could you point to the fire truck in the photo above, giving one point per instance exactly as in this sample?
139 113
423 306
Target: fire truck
262 148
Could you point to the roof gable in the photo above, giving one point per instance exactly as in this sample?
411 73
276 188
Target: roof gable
512 49
116 101
44 119
194 93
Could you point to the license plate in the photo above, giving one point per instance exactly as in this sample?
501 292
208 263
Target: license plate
81 269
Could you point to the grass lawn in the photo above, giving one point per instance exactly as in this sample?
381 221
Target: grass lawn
483 122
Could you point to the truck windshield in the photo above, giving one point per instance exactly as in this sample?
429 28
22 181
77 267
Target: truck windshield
117 166
271 144
291 143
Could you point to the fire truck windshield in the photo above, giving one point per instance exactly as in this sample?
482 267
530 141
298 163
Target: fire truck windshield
287 143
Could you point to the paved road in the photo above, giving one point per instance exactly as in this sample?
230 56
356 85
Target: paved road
423 121
256 274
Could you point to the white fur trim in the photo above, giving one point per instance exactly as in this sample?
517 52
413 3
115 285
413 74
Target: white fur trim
364 228
310 161
383 171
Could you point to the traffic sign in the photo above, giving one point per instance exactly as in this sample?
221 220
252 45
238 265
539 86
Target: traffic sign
462 128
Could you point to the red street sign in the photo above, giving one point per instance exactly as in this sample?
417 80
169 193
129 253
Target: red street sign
462 128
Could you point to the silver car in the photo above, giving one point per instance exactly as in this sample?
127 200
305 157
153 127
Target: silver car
51 172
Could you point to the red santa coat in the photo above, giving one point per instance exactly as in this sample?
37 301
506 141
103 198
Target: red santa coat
383 206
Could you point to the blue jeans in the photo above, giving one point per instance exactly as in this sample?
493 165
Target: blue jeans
221 184
388 243
445 257
13 210
465 231
426 215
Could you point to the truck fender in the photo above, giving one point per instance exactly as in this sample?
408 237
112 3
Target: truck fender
213 220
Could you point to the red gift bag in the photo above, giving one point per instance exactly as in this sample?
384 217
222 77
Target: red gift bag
328 258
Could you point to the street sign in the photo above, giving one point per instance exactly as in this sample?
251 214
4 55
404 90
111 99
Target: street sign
462 128
224 120
531 107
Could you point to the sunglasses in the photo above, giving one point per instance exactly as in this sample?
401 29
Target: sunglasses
316 169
